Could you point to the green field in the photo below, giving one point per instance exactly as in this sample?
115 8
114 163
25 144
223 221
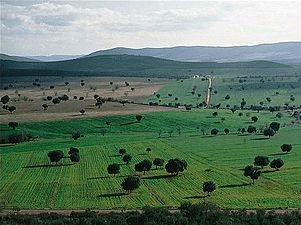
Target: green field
252 89
27 181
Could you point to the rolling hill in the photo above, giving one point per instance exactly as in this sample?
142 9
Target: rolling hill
129 65
286 52
53 58
16 58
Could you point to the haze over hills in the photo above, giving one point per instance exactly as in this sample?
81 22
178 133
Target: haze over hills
16 58
130 65
53 58
286 52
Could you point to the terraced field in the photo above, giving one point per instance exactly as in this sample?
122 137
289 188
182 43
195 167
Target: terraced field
28 182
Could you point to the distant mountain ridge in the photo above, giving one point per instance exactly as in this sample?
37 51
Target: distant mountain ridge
285 52
130 65
16 58
53 58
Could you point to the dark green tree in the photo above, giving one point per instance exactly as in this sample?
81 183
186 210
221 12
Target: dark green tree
286 148
254 119
148 150
143 166
55 156
45 106
13 124
174 166
73 150
275 126
131 183
214 131
138 118
252 172
268 132
127 158
113 168
5 99
251 129
122 151
76 135
261 161
75 157
276 164
208 187
158 162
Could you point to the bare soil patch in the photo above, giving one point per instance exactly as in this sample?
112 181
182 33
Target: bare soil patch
28 98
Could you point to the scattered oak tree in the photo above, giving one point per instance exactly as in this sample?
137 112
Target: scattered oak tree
227 131
138 118
158 162
45 106
5 99
208 187
148 150
13 125
174 166
122 151
268 132
127 158
276 164
286 148
131 183
143 166
252 172
261 161
275 126
214 131
55 156
76 135
113 168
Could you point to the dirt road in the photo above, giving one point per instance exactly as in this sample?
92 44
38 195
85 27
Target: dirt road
209 91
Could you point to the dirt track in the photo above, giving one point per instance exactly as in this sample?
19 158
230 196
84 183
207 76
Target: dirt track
208 96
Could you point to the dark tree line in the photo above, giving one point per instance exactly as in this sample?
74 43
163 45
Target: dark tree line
188 214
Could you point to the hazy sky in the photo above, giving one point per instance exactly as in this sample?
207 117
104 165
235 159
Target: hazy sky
77 27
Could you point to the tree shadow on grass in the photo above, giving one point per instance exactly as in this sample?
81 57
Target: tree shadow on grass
260 139
269 171
108 195
129 123
208 136
48 165
195 197
283 153
159 177
105 177
234 185
6 145
103 127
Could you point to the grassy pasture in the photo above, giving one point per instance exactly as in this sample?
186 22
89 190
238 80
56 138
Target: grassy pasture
253 90
27 181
